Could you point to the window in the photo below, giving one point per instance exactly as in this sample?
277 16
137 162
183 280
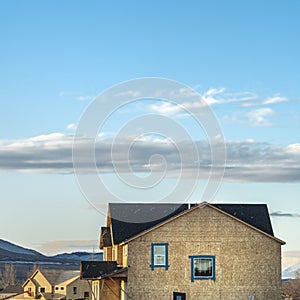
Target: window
56 288
42 290
74 290
86 295
179 296
202 267
159 256
61 287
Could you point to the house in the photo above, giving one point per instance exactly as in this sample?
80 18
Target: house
181 251
12 292
56 284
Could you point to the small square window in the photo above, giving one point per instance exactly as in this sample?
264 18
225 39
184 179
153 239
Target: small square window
159 256
42 290
202 267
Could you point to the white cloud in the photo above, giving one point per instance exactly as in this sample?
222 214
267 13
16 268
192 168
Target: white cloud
72 126
66 246
274 99
258 117
268 101
84 97
247 161
80 97
134 94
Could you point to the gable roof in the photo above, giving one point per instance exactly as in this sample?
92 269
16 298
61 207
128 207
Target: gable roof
254 215
67 277
128 219
12 289
54 277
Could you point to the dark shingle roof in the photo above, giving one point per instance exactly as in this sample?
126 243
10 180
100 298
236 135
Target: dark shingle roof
12 289
97 269
256 215
130 219
143 216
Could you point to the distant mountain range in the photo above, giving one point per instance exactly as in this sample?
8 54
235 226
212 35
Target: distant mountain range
291 272
14 254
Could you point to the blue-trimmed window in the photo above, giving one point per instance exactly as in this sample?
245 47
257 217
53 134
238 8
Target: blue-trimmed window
159 255
203 267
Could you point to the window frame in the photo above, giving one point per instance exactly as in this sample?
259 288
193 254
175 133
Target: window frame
212 258
166 254
74 290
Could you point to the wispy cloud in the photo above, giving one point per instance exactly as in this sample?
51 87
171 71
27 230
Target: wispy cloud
242 101
66 246
259 117
247 161
76 96
267 101
290 258
284 214
84 97
129 93
72 126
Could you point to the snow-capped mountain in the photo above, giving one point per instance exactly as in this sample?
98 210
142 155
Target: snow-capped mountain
291 272
14 254
5 245
80 256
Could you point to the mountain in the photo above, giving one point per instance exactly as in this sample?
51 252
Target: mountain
14 254
291 272
5 245
24 259
80 256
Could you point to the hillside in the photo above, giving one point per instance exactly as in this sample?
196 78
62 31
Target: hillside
24 259
292 271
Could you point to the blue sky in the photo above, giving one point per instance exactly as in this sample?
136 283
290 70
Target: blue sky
56 57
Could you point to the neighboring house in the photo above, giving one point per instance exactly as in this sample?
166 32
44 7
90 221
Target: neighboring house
12 292
56 284
173 251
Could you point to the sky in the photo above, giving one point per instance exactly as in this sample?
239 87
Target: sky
238 59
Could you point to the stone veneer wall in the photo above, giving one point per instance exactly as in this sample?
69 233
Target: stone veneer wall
247 262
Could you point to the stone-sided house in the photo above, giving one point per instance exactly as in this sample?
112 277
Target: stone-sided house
181 251
56 284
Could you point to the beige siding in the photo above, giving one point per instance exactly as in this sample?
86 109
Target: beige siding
125 255
247 262
107 253
81 287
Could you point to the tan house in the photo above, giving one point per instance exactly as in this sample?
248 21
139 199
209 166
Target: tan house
12 292
174 251
56 284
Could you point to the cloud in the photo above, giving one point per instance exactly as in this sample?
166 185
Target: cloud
66 246
80 97
284 214
72 126
247 161
194 101
267 101
129 93
290 258
258 117
84 97
274 99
